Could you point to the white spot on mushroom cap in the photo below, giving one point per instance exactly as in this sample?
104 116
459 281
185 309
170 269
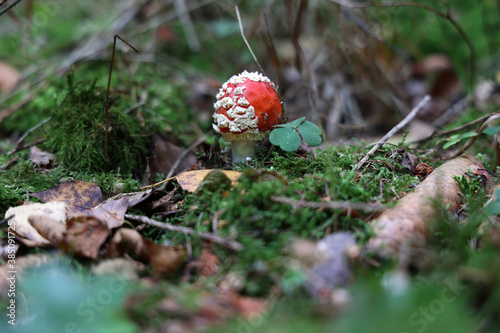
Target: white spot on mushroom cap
254 76
239 90
243 101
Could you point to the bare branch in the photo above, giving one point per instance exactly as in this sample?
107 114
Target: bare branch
395 129
233 245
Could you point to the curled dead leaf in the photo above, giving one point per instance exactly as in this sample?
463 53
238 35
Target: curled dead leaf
81 236
24 230
128 241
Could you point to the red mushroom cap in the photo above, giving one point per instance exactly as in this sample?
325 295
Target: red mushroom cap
247 107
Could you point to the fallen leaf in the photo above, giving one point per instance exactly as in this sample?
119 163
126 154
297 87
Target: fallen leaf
82 236
410 161
85 236
79 195
49 228
165 260
111 211
40 157
55 210
130 242
9 77
190 180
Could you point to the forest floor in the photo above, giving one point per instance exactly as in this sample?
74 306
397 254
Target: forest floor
122 211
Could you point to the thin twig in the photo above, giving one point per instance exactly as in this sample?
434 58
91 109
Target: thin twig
368 207
454 130
156 184
9 7
195 144
244 38
106 102
395 129
233 245
479 131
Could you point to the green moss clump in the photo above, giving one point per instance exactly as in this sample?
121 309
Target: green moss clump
76 134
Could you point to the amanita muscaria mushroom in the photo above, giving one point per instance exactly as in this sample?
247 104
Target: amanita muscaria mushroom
247 108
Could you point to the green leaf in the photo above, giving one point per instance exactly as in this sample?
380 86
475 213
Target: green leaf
291 142
492 130
492 208
278 135
450 143
296 122
310 133
466 135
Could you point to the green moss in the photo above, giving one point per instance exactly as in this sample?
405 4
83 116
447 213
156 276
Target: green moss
76 134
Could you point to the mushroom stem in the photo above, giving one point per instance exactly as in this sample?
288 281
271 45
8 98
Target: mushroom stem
241 149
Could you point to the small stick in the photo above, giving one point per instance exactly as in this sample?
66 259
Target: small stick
156 184
233 245
106 102
244 38
479 131
437 134
395 129
8 7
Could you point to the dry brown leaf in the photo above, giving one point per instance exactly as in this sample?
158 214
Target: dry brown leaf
40 157
24 230
165 260
405 225
85 236
48 228
9 77
80 196
190 180
111 211
128 241
81 236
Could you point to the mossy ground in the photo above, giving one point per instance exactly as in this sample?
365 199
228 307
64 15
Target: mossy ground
75 134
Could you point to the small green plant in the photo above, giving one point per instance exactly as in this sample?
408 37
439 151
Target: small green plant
456 138
493 207
288 136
